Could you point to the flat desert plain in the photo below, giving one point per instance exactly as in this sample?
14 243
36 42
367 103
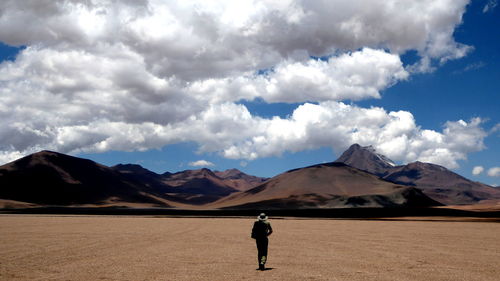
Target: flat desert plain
36 247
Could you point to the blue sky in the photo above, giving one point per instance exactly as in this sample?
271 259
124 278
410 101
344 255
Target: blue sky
178 84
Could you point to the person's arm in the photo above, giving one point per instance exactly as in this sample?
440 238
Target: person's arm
270 230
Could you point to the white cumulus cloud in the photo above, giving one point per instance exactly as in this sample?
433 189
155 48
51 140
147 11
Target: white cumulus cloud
477 170
201 163
135 75
357 75
337 125
204 39
494 172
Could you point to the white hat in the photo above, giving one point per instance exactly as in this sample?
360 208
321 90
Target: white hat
262 217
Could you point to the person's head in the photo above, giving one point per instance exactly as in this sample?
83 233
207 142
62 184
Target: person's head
262 217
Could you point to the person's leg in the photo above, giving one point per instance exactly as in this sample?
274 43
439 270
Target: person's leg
262 252
259 252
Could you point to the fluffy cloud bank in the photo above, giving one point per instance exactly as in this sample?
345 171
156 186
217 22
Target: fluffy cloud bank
337 125
201 39
136 75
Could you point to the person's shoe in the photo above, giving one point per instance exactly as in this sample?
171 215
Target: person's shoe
261 266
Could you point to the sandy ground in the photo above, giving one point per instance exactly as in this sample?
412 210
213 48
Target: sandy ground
139 248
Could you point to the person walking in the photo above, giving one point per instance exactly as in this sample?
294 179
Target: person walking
260 231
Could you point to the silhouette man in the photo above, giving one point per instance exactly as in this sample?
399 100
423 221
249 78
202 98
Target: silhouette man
260 231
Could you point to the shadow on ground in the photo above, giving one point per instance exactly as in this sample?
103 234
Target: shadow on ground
266 269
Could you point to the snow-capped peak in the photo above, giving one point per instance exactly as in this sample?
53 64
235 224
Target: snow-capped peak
381 157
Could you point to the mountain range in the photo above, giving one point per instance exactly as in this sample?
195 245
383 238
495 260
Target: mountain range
55 179
330 185
360 177
435 181
193 187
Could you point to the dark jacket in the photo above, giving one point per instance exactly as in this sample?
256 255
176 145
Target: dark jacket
261 229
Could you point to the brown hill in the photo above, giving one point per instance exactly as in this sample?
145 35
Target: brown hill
435 181
442 184
202 181
51 178
239 180
197 186
333 185
191 186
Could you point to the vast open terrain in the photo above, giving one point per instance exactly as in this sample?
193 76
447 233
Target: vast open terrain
42 247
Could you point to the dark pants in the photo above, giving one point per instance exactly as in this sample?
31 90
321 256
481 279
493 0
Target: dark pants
262 249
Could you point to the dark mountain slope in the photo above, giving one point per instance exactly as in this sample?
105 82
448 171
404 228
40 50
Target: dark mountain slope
51 178
442 184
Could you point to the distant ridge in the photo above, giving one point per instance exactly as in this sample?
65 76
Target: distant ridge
239 180
435 181
330 185
49 178
442 184
194 187
366 179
